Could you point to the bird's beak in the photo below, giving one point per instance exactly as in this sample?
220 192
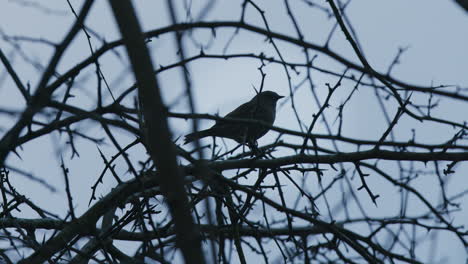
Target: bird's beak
280 96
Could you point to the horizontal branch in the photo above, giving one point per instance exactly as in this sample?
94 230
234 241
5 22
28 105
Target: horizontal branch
337 158
48 223
236 24
281 130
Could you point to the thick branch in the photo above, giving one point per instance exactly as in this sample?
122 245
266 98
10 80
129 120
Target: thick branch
158 136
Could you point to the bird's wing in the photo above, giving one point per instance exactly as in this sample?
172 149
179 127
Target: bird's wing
243 111
233 130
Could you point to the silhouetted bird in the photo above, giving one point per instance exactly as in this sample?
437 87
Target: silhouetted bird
261 108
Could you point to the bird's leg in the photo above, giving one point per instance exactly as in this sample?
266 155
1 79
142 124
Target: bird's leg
244 141
213 150
253 145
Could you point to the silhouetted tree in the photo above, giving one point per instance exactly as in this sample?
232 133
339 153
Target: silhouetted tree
323 188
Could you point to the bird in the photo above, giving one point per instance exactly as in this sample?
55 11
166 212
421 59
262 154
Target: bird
261 107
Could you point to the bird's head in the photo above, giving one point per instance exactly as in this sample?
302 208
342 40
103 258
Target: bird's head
268 97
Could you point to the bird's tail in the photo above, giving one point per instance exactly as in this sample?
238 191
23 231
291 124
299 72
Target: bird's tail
197 135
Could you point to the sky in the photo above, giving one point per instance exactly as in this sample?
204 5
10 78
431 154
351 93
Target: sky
434 34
